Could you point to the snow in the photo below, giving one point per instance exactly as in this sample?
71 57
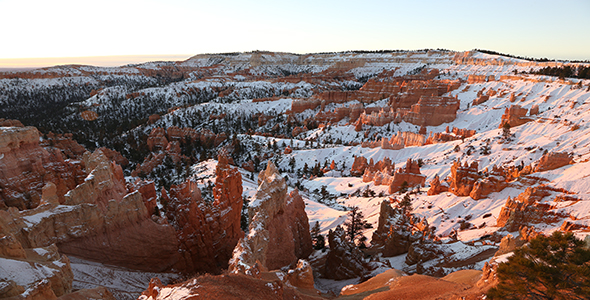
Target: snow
561 126
123 283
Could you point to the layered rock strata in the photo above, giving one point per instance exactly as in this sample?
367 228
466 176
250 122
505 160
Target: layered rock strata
279 229
207 232
25 168
408 176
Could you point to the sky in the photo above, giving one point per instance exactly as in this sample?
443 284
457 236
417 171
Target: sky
113 32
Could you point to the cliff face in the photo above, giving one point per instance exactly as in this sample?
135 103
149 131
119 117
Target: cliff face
279 228
25 167
99 221
207 232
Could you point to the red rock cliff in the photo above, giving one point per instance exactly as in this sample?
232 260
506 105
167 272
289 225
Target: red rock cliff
279 228
207 232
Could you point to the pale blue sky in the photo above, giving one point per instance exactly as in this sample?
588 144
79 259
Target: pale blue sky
65 28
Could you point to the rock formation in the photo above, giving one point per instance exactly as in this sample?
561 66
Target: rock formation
37 273
207 232
26 167
432 111
398 141
267 286
525 209
495 181
552 161
345 260
100 222
463 178
447 136
358 166
380 173
467 180
409 176
396 231
279 229
437 187
166 143
515 115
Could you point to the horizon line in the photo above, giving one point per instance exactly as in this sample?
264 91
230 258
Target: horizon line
8 64
92 60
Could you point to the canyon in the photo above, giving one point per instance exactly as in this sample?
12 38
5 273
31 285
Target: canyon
210 175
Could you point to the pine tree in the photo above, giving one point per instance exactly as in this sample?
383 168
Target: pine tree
317 239
406 204
506 131
554 267
355 224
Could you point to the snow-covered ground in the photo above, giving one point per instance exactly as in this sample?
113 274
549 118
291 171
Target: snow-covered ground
123 283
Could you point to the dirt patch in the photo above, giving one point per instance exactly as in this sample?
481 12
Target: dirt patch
377 282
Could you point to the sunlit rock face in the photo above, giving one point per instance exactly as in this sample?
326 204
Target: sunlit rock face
279 229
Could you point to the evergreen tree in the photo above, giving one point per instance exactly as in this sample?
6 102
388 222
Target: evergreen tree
317 239
554 267
244 215
406 204
355 224
506 131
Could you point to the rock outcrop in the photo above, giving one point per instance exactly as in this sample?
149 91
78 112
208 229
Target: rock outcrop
495 181
447 136
380 173
267 286
432 111
398 141
396 231
99 221
514 115
358 166
408 177
552 161
30 273
463 178
525 209
436 186
345 260
207 232
25 168
279 228
467 180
